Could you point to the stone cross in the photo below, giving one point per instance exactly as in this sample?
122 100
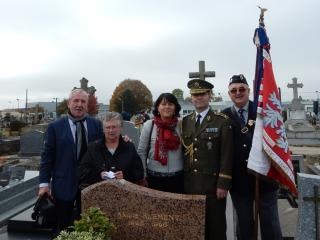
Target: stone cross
295 85
202 74
84 85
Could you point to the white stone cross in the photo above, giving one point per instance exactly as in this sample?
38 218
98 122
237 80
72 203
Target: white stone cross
295 85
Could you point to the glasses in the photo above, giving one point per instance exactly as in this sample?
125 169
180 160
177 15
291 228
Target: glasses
240 90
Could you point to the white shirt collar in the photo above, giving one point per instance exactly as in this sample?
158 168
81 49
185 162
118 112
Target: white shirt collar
203 114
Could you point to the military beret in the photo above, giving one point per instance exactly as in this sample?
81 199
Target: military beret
238 79
199 86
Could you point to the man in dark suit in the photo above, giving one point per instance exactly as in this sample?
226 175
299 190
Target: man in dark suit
66 142
243 115
207 141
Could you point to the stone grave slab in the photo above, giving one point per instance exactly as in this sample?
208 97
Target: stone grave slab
31 143
143 213
132 132
308 213
18 195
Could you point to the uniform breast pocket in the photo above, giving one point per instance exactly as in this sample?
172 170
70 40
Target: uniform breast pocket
209 140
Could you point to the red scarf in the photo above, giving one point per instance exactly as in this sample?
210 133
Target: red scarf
167 139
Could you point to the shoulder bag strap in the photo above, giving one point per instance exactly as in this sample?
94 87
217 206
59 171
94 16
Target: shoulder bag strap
149 142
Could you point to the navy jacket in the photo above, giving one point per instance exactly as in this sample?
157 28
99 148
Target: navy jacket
242 181
59 165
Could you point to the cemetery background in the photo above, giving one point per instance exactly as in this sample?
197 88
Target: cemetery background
19 168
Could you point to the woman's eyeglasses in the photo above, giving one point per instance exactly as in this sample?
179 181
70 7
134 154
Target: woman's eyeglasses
235 90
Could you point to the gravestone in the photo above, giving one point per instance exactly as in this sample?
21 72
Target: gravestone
143 213
4 179
18 172
129 129
308 213
31 143
9 145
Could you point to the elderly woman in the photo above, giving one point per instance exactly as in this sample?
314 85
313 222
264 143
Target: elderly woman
160 147
110 157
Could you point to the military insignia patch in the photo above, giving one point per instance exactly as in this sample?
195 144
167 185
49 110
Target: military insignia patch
251 122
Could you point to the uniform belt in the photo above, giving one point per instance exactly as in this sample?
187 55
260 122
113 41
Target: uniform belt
163 174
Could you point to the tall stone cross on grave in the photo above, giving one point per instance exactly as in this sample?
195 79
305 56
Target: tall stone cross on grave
84 85
295 85
202 74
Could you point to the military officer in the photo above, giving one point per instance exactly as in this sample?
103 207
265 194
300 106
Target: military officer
208 142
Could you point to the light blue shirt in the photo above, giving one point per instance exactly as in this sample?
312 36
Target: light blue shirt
245 111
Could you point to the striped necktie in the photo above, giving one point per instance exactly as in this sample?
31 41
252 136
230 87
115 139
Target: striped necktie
240 111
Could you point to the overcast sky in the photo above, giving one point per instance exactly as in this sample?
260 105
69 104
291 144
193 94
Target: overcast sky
48 46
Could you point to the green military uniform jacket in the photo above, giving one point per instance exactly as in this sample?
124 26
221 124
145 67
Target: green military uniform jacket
208 152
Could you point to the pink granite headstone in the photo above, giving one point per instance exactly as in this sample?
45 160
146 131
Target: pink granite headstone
143 213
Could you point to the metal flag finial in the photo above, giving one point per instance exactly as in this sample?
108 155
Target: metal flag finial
261 19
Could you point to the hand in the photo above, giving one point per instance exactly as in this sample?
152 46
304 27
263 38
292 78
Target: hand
103 175
221 193
126 138
43 190
143 182
118 175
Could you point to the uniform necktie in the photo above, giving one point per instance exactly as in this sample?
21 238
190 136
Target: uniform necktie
198 121
81 139
240 111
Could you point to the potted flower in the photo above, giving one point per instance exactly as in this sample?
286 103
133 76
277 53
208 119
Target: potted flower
93 225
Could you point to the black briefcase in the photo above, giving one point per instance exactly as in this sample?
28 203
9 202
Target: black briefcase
44 212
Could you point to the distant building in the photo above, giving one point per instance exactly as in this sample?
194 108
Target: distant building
48 107
187 106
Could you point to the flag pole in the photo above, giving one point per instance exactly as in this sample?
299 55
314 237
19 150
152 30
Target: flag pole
256 208
258 74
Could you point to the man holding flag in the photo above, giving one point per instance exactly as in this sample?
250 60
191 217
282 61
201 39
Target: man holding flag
269 154
243 115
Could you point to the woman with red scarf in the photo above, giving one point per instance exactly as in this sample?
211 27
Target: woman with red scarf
160 147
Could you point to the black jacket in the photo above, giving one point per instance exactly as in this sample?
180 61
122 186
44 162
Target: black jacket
242 181
98 159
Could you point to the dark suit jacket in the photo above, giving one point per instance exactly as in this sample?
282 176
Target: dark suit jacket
242 181
59 165
98 159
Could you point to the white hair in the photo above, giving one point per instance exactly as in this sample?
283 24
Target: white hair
78 90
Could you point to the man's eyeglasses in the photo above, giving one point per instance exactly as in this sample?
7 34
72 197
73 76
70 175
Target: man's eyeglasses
235 90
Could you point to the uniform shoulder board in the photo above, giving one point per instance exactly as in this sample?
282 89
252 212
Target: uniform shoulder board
188 115
221 115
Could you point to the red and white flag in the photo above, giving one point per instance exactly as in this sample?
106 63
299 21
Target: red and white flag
269 155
